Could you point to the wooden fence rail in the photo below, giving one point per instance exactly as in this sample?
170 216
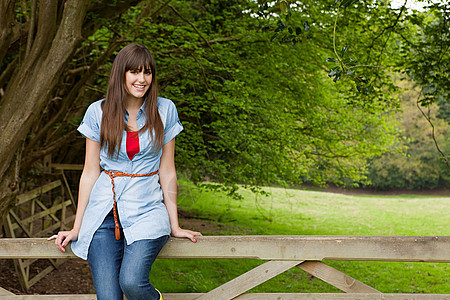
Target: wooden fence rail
38 213
282 253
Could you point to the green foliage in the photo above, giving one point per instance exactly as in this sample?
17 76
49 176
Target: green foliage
416 43
428 43
260 112
254 111
257 111
352 32
418 166
369 40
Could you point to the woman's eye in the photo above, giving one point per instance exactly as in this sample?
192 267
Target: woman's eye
148 73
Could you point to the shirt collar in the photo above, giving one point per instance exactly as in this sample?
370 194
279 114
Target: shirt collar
140 111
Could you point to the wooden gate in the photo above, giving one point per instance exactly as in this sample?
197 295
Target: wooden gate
281 253
38 213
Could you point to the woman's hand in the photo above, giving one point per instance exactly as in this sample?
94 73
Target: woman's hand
63 238
185 233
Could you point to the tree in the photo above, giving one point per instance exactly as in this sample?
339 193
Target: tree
418 167
260 112
376 40
254 111
430 69
46 58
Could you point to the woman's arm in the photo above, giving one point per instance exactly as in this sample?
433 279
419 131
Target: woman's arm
91 172
168 181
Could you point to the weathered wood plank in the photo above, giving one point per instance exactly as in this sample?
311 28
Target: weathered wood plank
22 273
4 292
255 296
55 227
365 248
23 198
378 248
314 296
335 278
47 164
249 280
28 262
68 189
67 166
9 224
40 275
31 248
18 223
46 212
55 297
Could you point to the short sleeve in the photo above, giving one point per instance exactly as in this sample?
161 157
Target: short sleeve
90 126
173 125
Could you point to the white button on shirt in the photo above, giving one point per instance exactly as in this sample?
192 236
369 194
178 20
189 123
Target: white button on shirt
142 212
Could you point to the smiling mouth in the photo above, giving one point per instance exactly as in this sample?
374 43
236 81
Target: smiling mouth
139 86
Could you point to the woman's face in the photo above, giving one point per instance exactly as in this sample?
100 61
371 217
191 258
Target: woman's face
138 82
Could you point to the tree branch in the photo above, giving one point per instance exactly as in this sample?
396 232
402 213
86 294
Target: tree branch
46 28
33 156
6 74
388 27
203 38
334 40
224 39
32 27
159 8
432 130
68 100
7 26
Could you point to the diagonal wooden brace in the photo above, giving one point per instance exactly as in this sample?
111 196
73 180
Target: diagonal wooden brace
335 278
249 280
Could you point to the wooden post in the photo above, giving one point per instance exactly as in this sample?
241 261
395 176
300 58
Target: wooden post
48 164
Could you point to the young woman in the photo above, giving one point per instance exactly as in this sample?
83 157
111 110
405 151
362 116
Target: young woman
127 203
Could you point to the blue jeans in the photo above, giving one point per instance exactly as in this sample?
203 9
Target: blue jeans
118 268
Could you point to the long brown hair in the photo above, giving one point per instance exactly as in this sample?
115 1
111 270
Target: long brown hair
131 57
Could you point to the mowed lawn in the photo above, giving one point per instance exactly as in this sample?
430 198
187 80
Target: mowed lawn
302 212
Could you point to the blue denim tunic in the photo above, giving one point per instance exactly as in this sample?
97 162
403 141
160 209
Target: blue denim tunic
140 205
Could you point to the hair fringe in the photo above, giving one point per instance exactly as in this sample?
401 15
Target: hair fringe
131 57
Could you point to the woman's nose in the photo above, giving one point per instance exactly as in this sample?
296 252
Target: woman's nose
141 76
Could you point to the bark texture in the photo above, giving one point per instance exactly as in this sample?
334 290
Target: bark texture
35 52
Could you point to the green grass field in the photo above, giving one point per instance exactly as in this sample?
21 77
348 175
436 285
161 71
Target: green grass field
300 212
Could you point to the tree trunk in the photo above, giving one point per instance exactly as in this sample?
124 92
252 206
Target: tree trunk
33 82
36 50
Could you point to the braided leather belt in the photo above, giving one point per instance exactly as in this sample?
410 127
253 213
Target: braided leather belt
112 175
